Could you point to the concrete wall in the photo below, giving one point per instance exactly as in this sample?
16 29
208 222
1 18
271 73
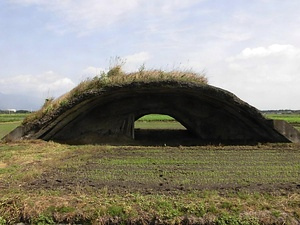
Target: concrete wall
213 115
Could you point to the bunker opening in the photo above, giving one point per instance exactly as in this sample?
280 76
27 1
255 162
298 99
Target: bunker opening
161 129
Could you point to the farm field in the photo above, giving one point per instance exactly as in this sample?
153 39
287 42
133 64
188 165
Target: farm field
12 117
293 119
157 121
6 127
8 122
49 183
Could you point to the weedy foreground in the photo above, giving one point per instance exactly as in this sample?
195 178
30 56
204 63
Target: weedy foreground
45 182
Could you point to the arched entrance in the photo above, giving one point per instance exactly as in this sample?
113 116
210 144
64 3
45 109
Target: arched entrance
163 130
107 115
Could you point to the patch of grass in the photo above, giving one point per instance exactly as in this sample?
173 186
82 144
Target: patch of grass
226 219
155 121
12 117
156 117
43 220
204 167
6 127
293 119
25 162
116 211
8 122
2 221
290 118
136 208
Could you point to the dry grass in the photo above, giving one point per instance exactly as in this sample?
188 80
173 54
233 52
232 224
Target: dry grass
50 207
114 77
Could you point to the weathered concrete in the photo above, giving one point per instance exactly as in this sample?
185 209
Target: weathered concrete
213 115
286 130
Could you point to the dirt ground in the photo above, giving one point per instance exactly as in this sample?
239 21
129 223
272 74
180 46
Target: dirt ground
55 181
170 170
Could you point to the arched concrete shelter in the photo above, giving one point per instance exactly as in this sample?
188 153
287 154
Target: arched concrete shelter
107 115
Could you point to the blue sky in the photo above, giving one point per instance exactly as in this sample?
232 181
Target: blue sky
249 47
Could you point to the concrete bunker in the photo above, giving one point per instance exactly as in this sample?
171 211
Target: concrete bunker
106 115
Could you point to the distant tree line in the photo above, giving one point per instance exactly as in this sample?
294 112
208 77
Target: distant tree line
6 111
281 111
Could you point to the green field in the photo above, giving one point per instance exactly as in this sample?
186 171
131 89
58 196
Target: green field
158 121
5 128
49 183
290 118
14 117
293 119
156 117
8 122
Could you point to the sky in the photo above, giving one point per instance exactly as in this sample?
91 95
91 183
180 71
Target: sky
248 47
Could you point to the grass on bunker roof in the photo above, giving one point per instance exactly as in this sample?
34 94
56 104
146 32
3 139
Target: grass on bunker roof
114 77
46 181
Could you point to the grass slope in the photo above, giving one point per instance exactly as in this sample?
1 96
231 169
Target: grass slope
44 183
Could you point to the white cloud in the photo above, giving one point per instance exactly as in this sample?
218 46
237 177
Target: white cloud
85 16
27 2
267 77
137 57
47 84
232 34
135 61
92 71
272 50
169 6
